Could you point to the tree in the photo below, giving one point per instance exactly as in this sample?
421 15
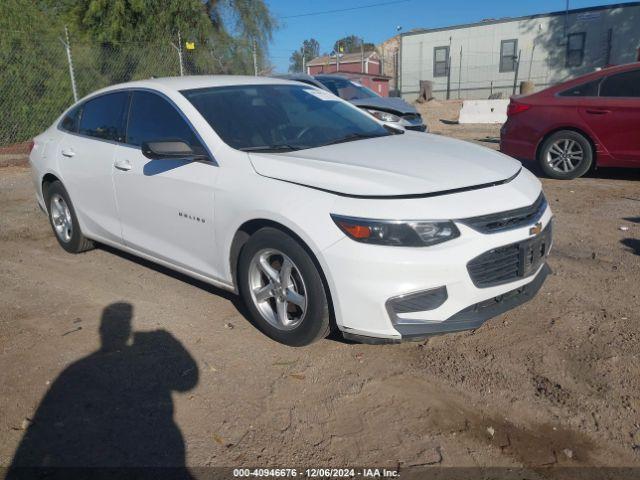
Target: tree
225 33
115 41
351 44
34 78
310 49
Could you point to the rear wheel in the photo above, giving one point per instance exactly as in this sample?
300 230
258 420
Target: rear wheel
565 155
283 289
63 219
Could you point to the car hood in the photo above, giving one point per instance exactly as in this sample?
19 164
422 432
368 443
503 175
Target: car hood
394 105
390 166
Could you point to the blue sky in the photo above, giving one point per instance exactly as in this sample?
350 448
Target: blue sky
376 24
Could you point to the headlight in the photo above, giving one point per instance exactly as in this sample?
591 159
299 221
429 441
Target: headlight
397 233
384 116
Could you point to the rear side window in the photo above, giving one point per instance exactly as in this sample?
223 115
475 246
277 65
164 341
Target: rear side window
625 84
71 119
589 89
152 118
103 117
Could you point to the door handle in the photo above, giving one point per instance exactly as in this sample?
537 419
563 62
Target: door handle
124 165
598 112
67 152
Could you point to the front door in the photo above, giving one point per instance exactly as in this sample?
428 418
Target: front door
166 206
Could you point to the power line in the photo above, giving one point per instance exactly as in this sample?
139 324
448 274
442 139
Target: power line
345 9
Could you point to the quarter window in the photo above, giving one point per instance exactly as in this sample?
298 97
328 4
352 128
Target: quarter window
103 117
440 61
589 89
625 84
575 49
508 55
71 119
152 118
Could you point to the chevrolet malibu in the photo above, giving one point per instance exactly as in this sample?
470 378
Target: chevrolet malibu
319 216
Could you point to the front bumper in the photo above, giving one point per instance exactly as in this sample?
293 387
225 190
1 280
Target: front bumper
470 318
363 278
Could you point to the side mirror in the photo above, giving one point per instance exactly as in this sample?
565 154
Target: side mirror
170 150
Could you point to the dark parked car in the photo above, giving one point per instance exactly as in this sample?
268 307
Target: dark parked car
389 110
590 121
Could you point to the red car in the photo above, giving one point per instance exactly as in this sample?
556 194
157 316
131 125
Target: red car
592 120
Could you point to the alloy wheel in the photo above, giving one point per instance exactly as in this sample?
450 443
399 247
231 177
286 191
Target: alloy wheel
565 155
61 218
277 289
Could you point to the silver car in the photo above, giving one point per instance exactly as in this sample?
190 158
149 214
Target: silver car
387 109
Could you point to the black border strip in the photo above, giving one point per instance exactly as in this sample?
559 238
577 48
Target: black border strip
408 196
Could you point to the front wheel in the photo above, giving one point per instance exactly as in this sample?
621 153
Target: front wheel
282 289
565 155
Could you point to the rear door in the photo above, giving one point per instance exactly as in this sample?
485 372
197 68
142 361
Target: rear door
166 206
614 116
85 160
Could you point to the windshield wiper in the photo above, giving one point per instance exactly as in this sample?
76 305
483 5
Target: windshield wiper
284 147
355 136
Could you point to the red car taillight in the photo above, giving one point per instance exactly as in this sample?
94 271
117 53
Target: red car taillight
514 107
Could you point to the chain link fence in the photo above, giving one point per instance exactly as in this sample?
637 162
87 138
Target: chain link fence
41 77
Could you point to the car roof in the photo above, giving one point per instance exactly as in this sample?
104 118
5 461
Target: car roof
197 81
603 72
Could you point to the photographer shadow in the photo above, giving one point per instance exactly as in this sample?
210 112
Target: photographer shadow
113 408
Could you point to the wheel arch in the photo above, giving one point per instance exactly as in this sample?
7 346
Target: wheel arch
249 227
572 128
47 180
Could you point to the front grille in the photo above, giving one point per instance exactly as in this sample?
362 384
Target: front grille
417 128
510 262
501 221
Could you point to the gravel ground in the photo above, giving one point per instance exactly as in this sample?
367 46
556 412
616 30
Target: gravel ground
555 382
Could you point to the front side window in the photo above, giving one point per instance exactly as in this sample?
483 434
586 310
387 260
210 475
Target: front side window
103 117
281 117
625 84
575 49
589 89
508 55
440 61
153 119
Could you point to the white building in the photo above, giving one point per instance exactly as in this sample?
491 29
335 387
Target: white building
491 56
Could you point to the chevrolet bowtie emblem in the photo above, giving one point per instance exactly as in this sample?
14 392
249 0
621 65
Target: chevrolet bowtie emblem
536 229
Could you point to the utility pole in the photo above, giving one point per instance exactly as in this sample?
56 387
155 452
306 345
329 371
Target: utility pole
515 75
255 59
449 70
179 49
460 73
304 70
362 55
67 46
180 54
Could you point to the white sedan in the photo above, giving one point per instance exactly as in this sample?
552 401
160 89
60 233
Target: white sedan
322 218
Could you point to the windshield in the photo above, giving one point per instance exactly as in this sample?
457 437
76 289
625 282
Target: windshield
346 89
281 117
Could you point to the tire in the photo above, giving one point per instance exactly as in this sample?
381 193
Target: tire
566 155
287 304
63 219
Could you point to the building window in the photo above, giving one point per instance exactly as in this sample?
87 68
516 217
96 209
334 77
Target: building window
440 61
508 55
575 49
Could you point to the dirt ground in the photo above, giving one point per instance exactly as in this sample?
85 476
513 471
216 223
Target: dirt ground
554 382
